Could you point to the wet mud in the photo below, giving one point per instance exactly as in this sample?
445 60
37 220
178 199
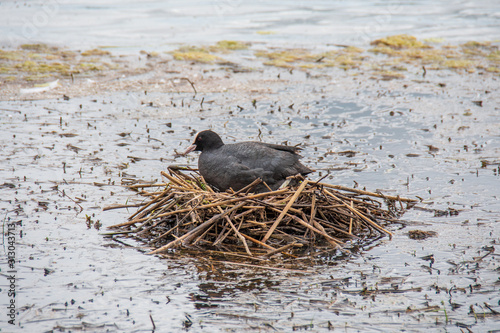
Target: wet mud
67 151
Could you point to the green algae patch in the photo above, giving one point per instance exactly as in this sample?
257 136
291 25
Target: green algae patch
494 56
37 62
345 59
95 52
30 66
458 64
265 32
225 45
353 50
292 55
392 57
292 58
11 55
41 48
405 46
348 58
204 54
426 55
493 70
36 77
399 42
476 44
308 66
467 57
89 67
195 54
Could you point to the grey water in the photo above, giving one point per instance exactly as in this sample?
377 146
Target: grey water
62 161
161 25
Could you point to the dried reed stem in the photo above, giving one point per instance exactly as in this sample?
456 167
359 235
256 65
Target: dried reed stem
246 225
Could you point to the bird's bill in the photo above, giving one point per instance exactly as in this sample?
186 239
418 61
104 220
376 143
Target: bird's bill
190 149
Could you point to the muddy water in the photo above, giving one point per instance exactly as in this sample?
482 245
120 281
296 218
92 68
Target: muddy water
64 160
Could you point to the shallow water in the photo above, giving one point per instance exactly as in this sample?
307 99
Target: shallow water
56 152
62 161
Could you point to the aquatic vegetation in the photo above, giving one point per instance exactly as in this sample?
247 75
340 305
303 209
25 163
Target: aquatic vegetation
291 55
493 69
42 48
278 63
494 56
37 62
10 55
85 67
197 56
345 61
30 66
470 56
36 77
95 52
393 53
203 54
459 63
391 57
475 44
293 58
350 57
265 32
399 42
230 45
434 40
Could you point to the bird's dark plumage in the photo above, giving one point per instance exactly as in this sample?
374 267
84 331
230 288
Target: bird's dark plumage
237 165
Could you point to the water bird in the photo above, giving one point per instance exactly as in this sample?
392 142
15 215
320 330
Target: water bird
237 165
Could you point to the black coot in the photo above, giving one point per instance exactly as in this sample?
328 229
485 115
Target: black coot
237 165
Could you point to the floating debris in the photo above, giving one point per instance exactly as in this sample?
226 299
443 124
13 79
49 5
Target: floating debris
421 234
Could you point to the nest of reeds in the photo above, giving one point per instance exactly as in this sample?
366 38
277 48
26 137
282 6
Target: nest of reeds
312 216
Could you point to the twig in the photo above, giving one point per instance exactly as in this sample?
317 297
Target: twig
146 185
152 321
196 231
122 206
355 211
188 80
67 196
324 234
282 249
283 213
221 203
372 194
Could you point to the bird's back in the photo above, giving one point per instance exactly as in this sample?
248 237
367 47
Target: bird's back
237 165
